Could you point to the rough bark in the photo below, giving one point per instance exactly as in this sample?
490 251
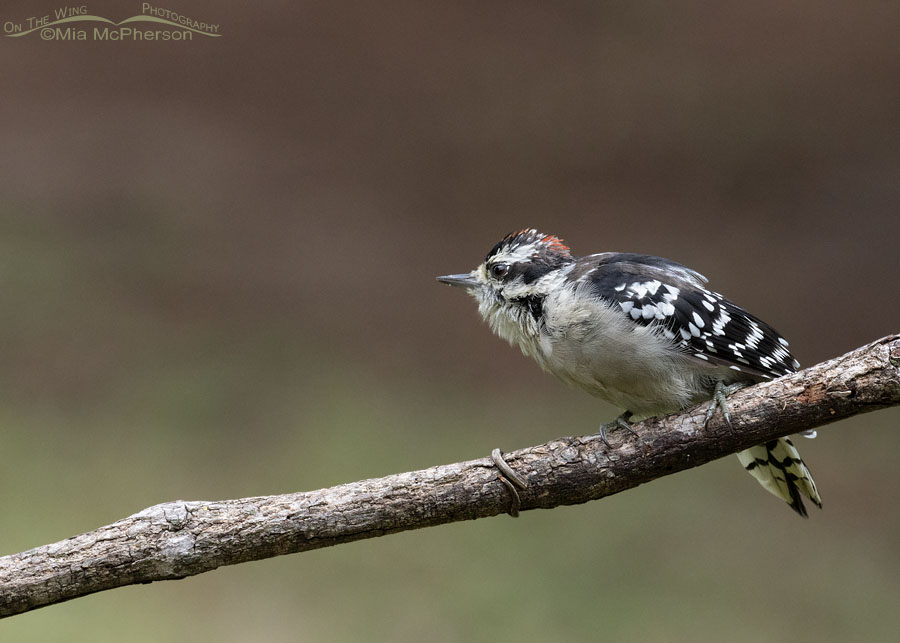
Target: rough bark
183 538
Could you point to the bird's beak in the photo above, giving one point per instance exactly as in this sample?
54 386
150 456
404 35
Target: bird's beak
465 280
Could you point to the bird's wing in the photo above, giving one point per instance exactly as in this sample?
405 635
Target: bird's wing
702 323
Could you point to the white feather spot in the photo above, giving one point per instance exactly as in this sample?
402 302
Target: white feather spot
697 319
620 287
638 290
720 323
673 293
756 334
694 330
626 306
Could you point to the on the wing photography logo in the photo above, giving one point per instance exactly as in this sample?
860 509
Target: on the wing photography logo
77 23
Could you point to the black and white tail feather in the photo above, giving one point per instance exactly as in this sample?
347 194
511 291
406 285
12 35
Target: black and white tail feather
778 467
641 332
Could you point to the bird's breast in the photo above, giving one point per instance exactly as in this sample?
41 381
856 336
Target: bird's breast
592 345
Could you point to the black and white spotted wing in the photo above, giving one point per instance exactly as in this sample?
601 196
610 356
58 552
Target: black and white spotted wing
652 290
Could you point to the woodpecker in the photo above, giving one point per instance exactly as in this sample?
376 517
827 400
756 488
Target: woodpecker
641 332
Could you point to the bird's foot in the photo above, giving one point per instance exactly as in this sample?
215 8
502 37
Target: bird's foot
511 480
621 422
719 400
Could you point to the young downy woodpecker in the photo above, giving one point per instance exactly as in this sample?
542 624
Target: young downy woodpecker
638 331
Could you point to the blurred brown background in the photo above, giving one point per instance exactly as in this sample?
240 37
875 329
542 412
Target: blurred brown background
217 271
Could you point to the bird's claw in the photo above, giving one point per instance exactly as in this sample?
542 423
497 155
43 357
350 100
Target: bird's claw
621 422
720 401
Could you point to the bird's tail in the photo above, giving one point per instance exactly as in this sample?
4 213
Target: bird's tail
778 467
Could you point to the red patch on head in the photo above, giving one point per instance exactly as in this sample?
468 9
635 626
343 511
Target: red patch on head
555 243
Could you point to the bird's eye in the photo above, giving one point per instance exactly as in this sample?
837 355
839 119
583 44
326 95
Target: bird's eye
499 270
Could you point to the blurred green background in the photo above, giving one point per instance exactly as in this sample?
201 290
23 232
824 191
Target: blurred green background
217 268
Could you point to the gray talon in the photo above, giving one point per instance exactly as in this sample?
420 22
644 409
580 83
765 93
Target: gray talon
720 401
621 422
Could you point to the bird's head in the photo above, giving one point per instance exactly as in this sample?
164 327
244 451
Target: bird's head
516 274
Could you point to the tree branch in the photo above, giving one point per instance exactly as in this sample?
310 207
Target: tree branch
178 539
